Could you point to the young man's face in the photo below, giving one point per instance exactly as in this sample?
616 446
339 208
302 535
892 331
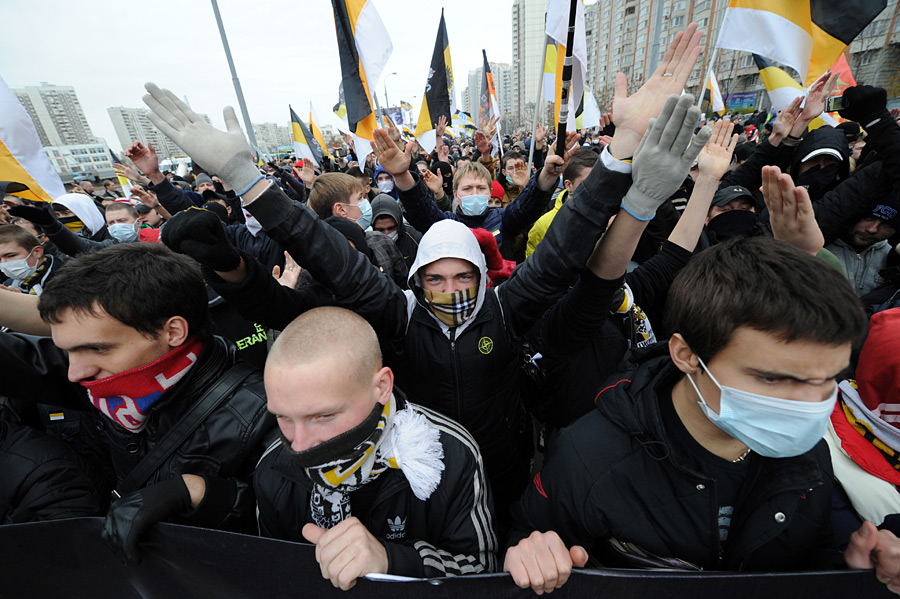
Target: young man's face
204 186
495 202
385 224
317 401
152 218
116 217
869 231
87 186
350 209
448 275
472 184
761 363
383 177
10 251
100 346
421 167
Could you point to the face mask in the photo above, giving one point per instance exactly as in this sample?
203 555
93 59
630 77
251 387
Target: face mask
475 204
385 186
72 223
734 223
253 225
453 309
19 270
820 180
772 427
123 232
509 180
393 236
366 219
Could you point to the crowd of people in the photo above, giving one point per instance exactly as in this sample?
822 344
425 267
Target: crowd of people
665 345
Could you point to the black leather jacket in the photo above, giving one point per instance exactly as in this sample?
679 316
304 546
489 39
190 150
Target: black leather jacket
224 448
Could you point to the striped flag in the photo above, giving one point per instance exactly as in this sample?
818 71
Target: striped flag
782 89
438 86
364 47
806 35
549 85
22 159
463 121
716 103
317 133
340 109
488 106
305 145
557 30
124 182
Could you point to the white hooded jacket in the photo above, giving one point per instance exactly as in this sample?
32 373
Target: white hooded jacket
84 208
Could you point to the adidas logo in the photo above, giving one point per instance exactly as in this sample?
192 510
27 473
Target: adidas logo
398 528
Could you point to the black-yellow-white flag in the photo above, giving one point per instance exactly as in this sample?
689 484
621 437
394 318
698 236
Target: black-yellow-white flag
438 87
305 145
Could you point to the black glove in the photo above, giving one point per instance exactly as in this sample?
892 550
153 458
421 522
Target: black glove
200 234
865 104
42 215
131 516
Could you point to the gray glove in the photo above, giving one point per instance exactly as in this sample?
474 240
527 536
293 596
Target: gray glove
664 156
227 154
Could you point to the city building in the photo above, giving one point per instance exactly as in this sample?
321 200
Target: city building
271 136
502 74
527 58
133 124
56 113
81 158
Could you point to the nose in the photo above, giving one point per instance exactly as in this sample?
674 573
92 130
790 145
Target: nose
81 370
301 439
873 227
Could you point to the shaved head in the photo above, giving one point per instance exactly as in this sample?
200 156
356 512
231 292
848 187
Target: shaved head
329 333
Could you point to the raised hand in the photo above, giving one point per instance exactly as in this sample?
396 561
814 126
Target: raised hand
790 211
715 157
291 273
540 134
483 143
554 164
390 157
632 114
306 173
490 129
440 127
130 173
392 130
785 120
225 153
143 157
815 102
145 198
443 152
434 183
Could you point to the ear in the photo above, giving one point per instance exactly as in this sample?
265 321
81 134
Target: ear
683 356
176 331
38 252
568 185
384 385
337 209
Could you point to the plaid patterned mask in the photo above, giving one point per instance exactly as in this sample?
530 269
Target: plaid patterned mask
453 309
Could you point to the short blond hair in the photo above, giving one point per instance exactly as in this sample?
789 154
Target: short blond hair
472 168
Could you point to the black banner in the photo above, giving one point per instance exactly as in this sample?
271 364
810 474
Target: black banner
67 559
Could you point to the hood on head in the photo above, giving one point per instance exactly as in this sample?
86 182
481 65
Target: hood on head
385 205
378 171
85 209
449 239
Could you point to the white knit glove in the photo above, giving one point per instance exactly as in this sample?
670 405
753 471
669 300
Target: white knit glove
664 156
224 153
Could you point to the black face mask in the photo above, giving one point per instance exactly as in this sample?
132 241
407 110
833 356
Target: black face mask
338 448
820 180
734 223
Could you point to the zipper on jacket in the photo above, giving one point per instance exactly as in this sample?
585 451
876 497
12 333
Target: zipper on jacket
457 382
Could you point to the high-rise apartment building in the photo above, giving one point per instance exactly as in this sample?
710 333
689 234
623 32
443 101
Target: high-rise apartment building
56 113
133 124
506 95
527 52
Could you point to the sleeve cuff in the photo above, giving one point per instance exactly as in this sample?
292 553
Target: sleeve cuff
613 164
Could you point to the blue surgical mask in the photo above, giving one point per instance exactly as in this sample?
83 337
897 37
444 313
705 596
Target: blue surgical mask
772 427
18 270
366 219
475 204
123 232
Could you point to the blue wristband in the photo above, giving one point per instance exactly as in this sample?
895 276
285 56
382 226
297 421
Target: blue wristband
635 215
255 181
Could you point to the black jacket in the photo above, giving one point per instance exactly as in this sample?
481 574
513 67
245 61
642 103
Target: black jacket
615 474
224 448
448 534
41 478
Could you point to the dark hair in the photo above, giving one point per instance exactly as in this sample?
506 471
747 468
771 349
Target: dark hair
141 285
19 236
123 206
766 285
582 159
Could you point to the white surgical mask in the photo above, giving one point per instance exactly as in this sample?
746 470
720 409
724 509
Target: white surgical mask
475 204
18 270
123 232
386 186
393 235
770 426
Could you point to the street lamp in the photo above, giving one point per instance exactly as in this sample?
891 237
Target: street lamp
387 103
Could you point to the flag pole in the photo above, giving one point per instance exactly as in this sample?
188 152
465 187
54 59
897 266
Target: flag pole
539 100
234 79
712 61
566 83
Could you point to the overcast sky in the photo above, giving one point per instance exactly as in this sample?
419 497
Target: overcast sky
284 52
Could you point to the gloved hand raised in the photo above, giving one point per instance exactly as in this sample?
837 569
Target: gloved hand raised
225 153
42 215
131 516
200 234
865 104
664 156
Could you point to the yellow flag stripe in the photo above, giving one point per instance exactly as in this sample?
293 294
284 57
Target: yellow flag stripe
12 170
